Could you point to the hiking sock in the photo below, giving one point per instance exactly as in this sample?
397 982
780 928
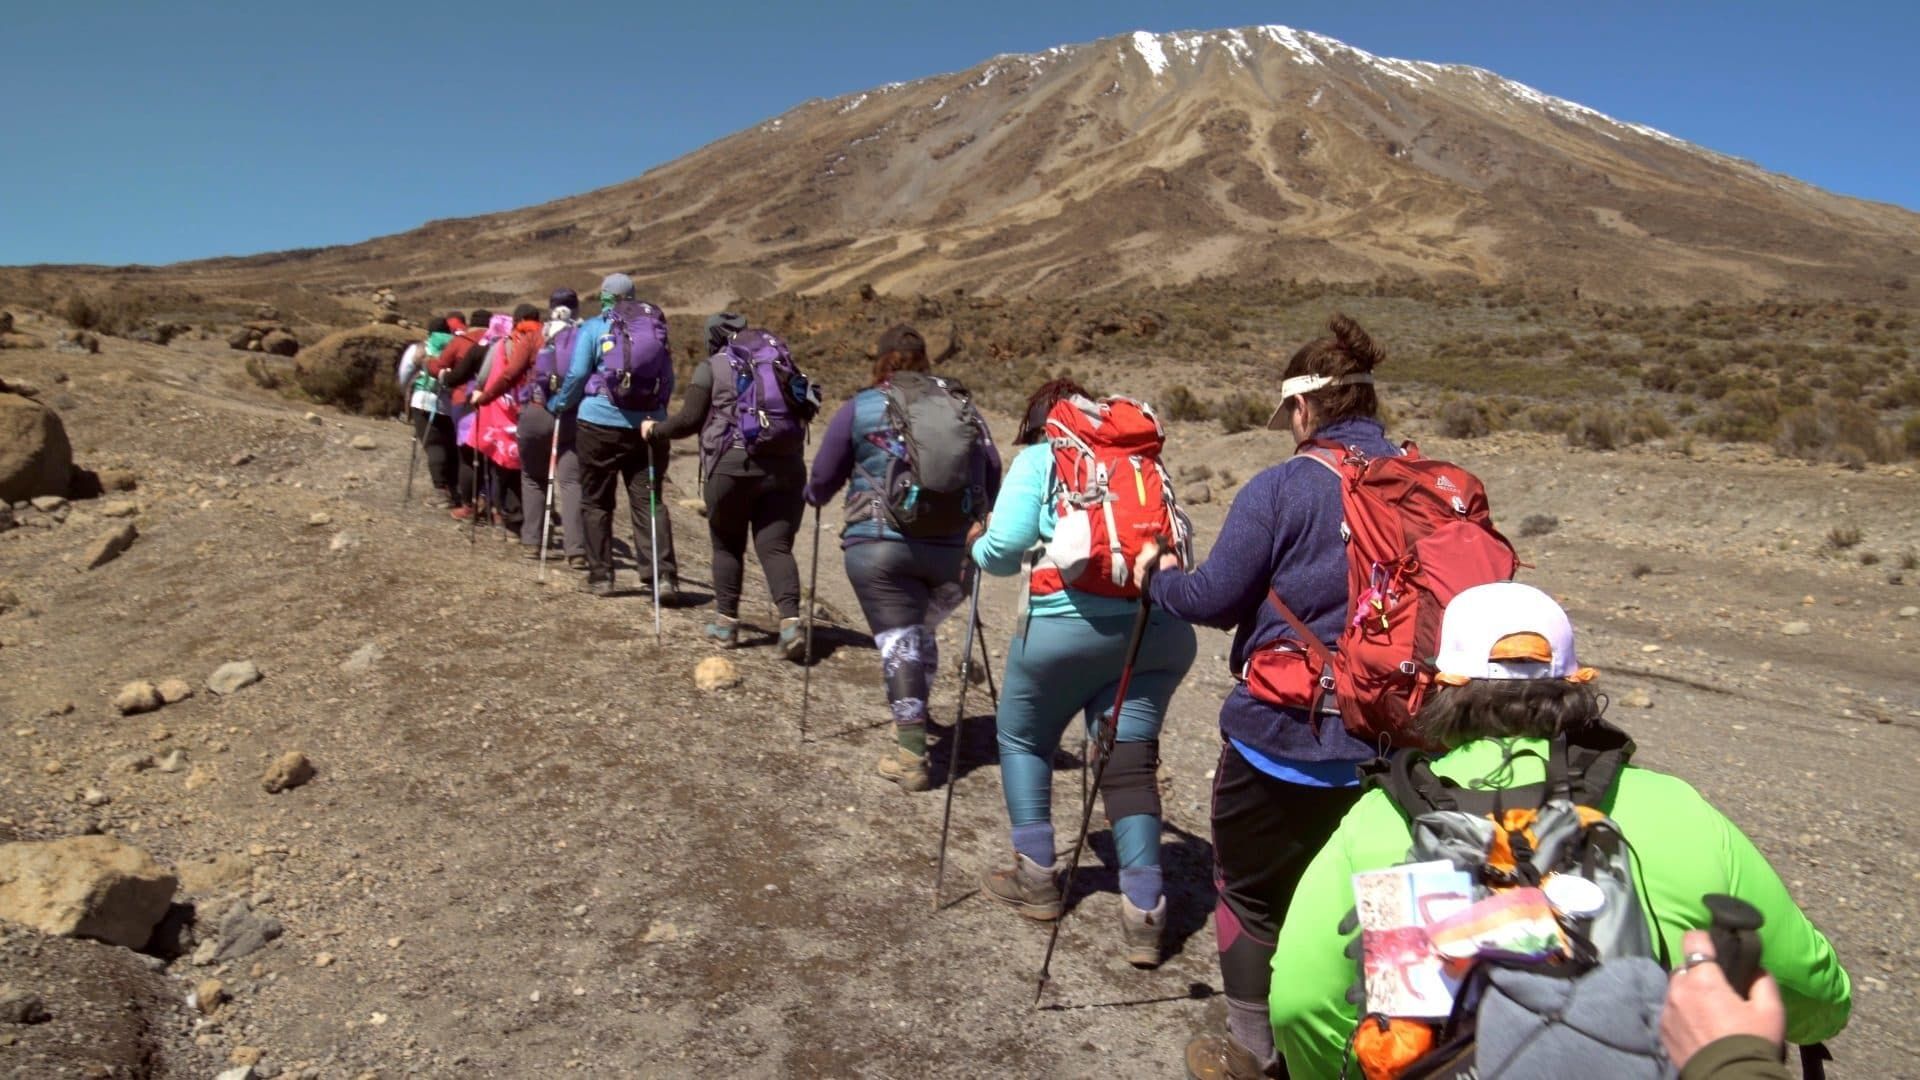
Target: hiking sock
1142 886
912 737
1252 1027
1035 841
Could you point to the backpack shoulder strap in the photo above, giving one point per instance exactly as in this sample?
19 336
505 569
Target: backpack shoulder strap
1307 637
1409 780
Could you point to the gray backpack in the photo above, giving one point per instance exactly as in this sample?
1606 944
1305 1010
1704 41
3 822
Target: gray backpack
1596 1014
935 483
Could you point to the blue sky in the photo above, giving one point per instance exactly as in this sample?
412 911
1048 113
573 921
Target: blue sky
149 132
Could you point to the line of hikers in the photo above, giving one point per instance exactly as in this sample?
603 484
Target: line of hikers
1433 854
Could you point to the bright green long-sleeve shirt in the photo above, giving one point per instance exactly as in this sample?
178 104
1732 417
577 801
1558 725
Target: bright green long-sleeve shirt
1686 849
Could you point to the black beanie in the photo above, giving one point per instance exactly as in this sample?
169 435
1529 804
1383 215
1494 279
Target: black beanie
721 328
439 326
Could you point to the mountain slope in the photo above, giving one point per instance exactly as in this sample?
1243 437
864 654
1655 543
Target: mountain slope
1152 159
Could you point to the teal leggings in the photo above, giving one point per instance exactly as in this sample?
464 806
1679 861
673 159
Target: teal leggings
1065 666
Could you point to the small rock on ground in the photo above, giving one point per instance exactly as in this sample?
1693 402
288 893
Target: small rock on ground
173 691
716 673
230 677
138 697
363 442
288 771
21 1007
1796 628
1637 698
109 546
362 659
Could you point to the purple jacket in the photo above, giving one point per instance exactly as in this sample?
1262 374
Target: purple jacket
1283 532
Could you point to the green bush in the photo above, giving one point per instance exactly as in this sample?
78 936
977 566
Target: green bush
1243 412
1178 403
1595 429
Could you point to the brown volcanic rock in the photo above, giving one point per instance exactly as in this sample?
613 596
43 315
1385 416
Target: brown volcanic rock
350 368
35 456
1157 159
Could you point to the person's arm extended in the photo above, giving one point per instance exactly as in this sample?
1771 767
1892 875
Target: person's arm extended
518 356
693 407
1234 579
565 398
1014 528
833 465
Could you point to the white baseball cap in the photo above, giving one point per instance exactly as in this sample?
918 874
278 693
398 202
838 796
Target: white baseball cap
1506 630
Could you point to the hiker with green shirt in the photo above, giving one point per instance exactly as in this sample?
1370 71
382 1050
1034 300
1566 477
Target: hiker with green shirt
1509 683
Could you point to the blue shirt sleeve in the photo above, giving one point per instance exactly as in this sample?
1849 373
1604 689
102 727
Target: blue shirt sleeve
1232 583
569 393
1015 527
833 465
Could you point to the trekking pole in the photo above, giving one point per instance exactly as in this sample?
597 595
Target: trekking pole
473 520
813 581
1109 729
546 513
653 539
986 661
413 460
959 722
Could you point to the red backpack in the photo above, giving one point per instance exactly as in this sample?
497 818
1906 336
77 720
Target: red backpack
1417 531
1111 495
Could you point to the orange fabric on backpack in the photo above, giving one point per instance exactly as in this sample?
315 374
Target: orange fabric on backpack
1518 820
1384 1053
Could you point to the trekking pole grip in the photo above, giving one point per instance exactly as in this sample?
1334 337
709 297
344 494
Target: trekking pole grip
1735 929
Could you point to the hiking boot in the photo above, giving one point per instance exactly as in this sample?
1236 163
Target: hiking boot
461 513
793 640
1140 932
670 595
599 586
1029 888
443 499
906 768
1218 1057
577 562
530 552
724 632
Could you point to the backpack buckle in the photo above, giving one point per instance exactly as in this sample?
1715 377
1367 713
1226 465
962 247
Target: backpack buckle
1326 681
1409 668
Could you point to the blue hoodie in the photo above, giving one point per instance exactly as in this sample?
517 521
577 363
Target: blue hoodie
1283 533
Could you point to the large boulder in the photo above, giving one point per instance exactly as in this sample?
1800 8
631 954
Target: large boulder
85 886
353 369
35 456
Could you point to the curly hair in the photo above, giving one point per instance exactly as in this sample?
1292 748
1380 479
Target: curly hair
1506 708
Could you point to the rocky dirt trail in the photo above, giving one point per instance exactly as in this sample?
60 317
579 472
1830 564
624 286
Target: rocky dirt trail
533 846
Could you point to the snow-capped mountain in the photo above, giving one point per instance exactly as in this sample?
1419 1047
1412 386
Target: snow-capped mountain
1154 158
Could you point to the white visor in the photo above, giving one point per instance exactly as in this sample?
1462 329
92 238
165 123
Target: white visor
1307 384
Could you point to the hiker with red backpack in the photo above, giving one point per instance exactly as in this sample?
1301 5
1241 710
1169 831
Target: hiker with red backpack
920 468
1532 802
549 464
751 406
1086 493
1279 577
620 377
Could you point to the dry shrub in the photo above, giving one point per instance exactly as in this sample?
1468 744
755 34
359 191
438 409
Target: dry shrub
1460 418
1179 403
1831 430
1595 429
1243 412
1842 537
1537 525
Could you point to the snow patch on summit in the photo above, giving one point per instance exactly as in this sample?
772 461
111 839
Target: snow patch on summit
1148 46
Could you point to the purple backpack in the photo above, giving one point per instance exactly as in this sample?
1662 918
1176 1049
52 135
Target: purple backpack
550 366
772 401
633 367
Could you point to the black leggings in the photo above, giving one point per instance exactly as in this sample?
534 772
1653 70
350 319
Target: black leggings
443 465
766 499
1265 832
